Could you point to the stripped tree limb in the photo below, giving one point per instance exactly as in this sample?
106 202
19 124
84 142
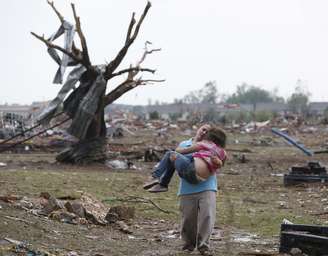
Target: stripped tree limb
147 200
34 135
131 82
75 50
18 219
26 131
129 40
148 52
85 105
51 45
138 199
84 46
136 31
124 87
119 91
137 69
61 18
132 22
144 82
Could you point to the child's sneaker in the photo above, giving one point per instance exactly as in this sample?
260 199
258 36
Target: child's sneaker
158 188
151 183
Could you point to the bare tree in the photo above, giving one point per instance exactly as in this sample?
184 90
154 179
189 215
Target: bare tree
83 96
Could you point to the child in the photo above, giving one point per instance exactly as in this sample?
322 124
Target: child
199 161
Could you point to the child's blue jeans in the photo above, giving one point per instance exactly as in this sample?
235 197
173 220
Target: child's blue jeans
184 165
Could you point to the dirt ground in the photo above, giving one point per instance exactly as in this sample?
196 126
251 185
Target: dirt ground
252 200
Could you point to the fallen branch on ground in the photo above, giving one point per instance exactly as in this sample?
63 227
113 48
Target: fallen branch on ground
137 199
17 219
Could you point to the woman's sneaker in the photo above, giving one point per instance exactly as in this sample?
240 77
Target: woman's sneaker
188 248
205 252
151 183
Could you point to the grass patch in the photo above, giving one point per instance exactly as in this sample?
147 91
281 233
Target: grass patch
262 216
113 187
256 205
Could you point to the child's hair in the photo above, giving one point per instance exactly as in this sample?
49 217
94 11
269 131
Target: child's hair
216 135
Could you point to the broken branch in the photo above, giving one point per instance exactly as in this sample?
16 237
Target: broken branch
61 18
130 82
85 52
17 219
51 45
136 31
124 87
119 57
75 50
147 200
138 199
132 22
135 69
119 91
143 82
146 53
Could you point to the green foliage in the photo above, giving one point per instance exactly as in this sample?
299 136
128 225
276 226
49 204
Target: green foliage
208 94
177 101
325 112
154 115
175 116
249 94
298 101
261 116
192 98
213 116
248 116
238 116
276 97
325 116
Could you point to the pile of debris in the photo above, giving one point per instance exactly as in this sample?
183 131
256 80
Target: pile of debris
312 172
85 210
309 239
78 211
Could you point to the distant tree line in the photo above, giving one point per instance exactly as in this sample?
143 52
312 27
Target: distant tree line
247 94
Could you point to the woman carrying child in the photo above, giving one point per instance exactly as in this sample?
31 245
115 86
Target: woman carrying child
197 201
196 162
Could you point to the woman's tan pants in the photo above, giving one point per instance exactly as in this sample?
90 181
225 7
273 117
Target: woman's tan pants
198 218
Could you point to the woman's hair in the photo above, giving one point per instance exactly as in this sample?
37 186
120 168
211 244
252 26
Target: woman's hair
216 135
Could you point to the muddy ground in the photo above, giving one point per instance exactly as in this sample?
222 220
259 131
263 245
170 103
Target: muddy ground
252 200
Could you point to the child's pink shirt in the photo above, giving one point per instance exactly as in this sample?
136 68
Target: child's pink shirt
207 150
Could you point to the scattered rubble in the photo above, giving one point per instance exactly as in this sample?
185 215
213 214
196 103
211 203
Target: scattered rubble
304 239
129 150
312 172
120 164
85 210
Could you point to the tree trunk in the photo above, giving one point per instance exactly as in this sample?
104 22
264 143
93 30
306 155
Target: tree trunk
84 152
85 105
93 147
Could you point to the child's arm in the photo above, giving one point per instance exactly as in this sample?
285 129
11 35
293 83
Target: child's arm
193 148
217 162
